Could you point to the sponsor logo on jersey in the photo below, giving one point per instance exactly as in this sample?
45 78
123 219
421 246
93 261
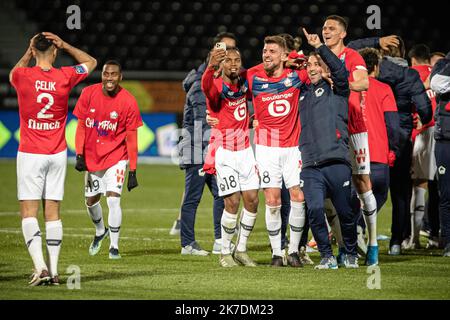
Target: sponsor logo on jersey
302 97
33 124
80 69
230 93
265 86
278 96
114 115
346 184
279 108
319 92
92 110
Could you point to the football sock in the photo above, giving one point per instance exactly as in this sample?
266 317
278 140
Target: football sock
33 240
296 223
333 221
54 235
419 210
96 214
228 223
273 224
114 220
369 210
247 222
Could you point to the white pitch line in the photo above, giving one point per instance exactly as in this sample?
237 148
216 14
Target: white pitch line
75 235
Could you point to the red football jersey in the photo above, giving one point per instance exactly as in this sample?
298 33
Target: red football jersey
43 96
379 99
275 101
106 119
228 103
356 105
424 72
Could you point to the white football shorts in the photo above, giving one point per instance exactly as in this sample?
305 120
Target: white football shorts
276 164
359 153
235 171
41 176
111 179
423 160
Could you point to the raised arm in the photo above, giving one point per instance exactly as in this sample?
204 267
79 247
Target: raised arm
24 61
337 68
79 55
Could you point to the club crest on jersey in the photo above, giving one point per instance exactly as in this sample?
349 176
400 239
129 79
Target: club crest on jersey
319 92
114 115
442 170
287 82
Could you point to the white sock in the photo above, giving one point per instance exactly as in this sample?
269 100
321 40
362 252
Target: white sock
54 235
33 240
369 209
96 214
333 221
228 225
114 220
247 222
273 224
419 210
296 224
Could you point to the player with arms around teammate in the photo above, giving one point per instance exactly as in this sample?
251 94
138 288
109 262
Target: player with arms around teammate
43 93
235 163
106 141
275 90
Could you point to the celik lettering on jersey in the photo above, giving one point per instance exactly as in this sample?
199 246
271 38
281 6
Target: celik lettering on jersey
45 86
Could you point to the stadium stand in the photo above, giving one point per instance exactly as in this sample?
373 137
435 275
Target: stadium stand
175 35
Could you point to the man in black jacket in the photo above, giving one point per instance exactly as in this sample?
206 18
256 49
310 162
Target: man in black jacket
409 93
323 143
440 83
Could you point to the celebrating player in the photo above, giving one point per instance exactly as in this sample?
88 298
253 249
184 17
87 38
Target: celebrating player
106 140
234 160
43 93
334 31
275 91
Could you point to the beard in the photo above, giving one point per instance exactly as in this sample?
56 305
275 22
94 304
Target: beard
270 70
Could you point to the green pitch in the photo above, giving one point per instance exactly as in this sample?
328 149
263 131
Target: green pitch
152 267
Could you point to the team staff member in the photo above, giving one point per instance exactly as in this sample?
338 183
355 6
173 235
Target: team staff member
440 83
106 141
43 93
324 146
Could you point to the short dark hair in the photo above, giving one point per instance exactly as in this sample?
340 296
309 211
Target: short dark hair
279 40
290 42
371 57
41 43
342 21
420 52
221 35
398 51
113 63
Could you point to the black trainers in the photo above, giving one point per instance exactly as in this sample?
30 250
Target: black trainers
114 254
277 261
294 260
